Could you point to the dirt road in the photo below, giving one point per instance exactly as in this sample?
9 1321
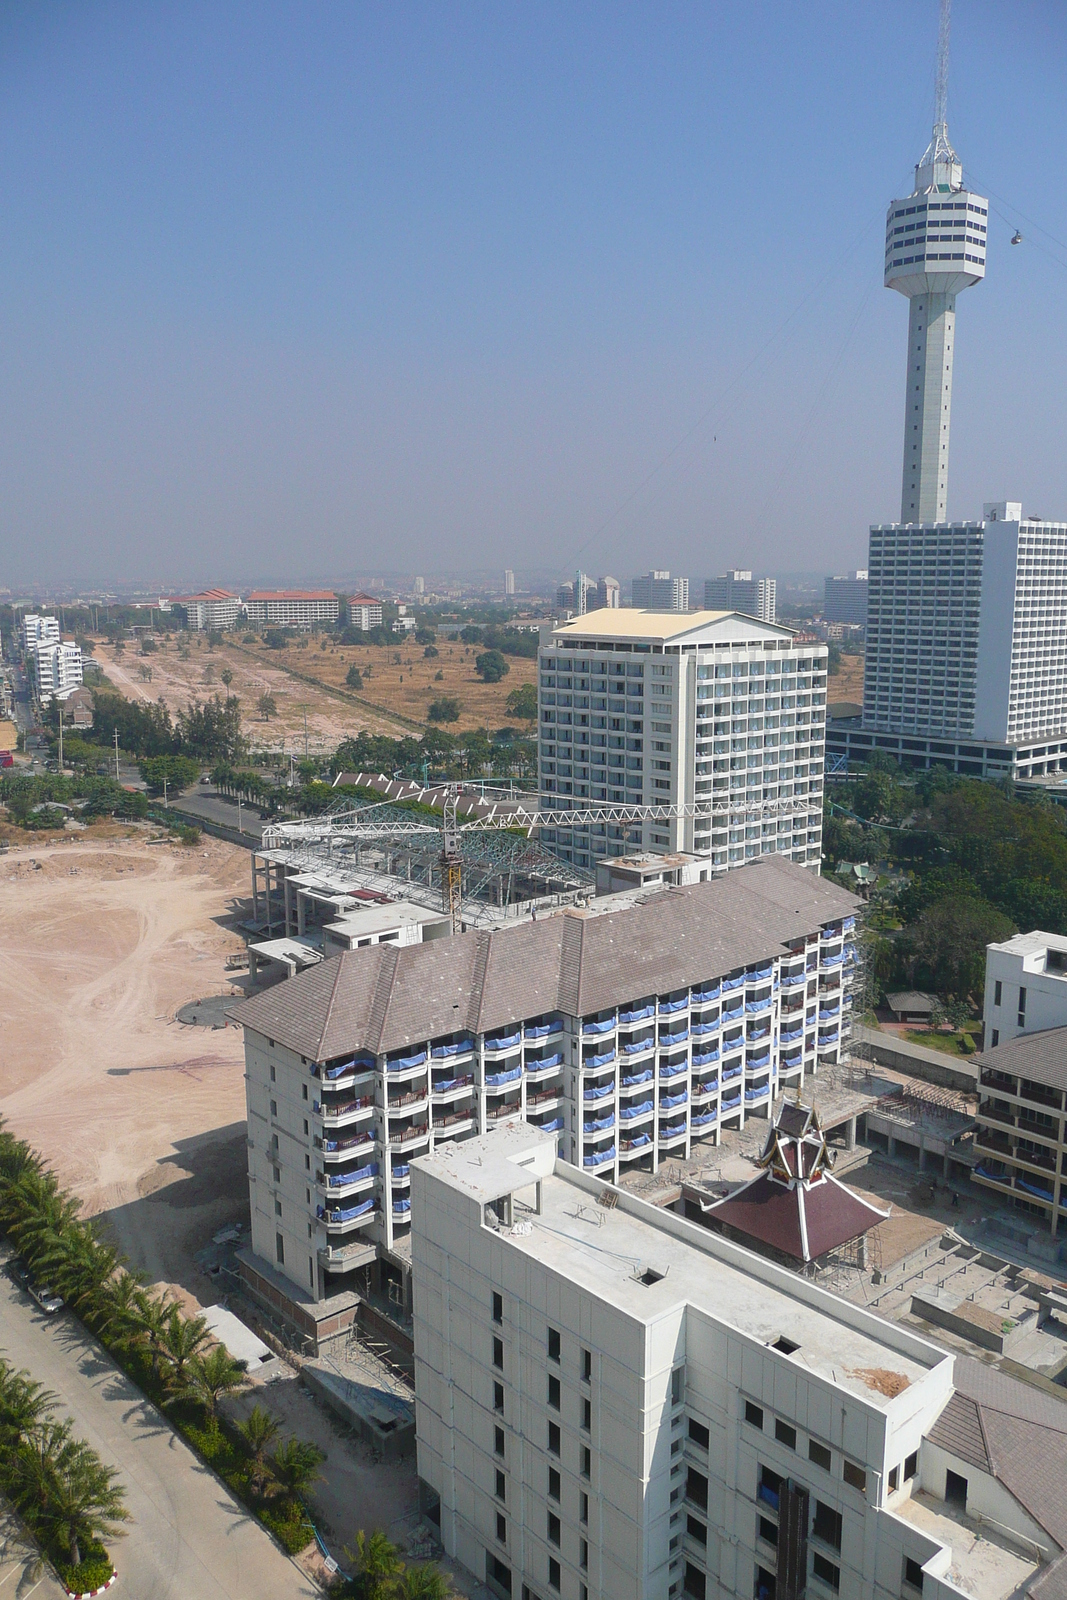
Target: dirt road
144 1118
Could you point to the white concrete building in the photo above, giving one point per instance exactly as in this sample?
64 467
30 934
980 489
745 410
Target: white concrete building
740 591
509 581
213 610
966 659
607 594
631 1036
642 708
658 591
1025 986
615 1404
302 609
35 629
56 669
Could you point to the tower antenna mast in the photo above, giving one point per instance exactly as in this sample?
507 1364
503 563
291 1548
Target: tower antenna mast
941 92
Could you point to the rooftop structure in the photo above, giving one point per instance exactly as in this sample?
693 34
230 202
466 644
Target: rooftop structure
715 715
614 1402
630 1032
794 1207
302 609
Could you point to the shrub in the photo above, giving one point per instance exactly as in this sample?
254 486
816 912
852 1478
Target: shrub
430 652
92 1571
354 678
187 833
446 709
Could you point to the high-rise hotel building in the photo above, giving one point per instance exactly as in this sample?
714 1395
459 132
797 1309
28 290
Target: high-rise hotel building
715 714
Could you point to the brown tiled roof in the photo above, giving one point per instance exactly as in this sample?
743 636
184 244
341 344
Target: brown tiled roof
801 1220
383 997
1016 1432
1040 1056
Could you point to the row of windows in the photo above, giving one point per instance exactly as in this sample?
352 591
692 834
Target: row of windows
943 205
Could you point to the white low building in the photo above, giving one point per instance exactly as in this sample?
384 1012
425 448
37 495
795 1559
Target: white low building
1025 986
56 668
614 1404
302 609
213 610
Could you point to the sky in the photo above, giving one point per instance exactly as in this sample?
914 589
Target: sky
303 292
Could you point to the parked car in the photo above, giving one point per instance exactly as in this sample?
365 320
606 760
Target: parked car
47 1299
19 1271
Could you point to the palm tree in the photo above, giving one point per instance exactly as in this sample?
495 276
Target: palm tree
296 1465
379 1564
118 1308
33 1463
424 1582
210 1377
181 1340
24 1405
259 1431
153 1316
85 1504
77 1263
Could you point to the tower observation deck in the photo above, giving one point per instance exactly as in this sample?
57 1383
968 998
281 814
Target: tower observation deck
935 245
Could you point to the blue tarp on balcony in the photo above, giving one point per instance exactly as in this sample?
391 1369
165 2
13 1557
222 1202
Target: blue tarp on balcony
757 974
667 1006
732 1071
704 1118
636 1016
732 983
673 1068
669 1101
599 1027
601 1060
733 1016
493 1080
550 1127
728 1105
406 1061
441 1052
504 1042
637 1077
599 1124
701 1028
545 1062
636 1045
543 1030
788 1037
400 1206
702 996
638 1140
757 1094
754 1007
702 1059
359 1064
599 1093
760 1060
341 1180
346 1213
599 1157
627 1113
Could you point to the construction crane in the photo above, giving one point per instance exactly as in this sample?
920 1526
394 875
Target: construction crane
451 861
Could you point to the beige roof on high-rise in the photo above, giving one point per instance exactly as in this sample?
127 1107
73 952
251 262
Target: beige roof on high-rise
630 622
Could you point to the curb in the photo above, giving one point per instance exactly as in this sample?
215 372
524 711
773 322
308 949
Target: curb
88 1594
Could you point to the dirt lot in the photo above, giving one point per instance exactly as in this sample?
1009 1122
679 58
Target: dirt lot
394 700
100 943
848 683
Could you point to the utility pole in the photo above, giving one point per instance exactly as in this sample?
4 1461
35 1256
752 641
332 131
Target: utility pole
305 711
165 805
116 755
240 824
59 703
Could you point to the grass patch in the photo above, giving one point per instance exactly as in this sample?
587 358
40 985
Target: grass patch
960 1043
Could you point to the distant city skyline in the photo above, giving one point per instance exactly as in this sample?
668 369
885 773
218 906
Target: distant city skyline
282 290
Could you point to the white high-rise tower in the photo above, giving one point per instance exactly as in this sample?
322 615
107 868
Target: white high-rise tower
934 247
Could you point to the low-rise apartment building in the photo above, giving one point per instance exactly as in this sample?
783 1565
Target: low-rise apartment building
35 629
1021 1137
363 612
302 609
1025 986
631 1036
614 1404
56 669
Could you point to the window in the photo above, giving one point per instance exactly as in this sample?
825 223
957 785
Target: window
996 1037
696 1488
998 989
956 1490
496 1572
303 1091
677 1386
754 1415
279 1245
553 1573
696 1530
498 1307
855 1476
826 1570
587 1415
826 1525
785 1433
587 1366
768 1530
501 1485
273 1077
553 1483
695 1582
1022 1008
911 1465
894 1479
274 1108
765 1584
553 1438
498 1441
587 1461
583 1506
277 1174
498 1353
583 1554
699 1434
277 1208
498 1397
553 1393
501 1527
819 1454
553 1529
553 1344
913 1573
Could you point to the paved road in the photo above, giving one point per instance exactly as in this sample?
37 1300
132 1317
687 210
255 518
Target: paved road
189 1537
202 801
22 1572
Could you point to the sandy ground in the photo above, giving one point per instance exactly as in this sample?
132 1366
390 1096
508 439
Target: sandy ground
178 682
142 1117
848 683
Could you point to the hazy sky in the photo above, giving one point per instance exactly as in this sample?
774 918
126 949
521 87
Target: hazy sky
295 291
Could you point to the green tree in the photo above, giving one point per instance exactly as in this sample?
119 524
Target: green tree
211 731
491 666
179 772
227 676
259 1431
85 1503
183 1339
378 1563
267 706
295 1465
210 1378
521 703
425 1581
445 709
949 941
430 653
354 678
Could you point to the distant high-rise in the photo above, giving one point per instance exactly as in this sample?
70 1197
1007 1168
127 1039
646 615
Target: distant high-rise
934 246
420 586
740 591
509 581
846 599
607 594
658 591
